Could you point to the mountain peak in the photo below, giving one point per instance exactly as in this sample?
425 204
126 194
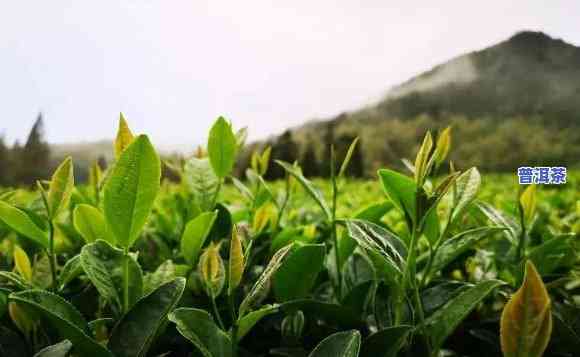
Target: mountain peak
528 36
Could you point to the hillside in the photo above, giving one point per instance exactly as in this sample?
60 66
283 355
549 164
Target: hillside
509 102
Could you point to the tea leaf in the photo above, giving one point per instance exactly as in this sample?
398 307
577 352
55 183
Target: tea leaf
60 349
131 189
501 219
222 147
103 265
444 321
459 244
340 344
466 188
195 234
135 332
422 160
22 263
401 191
164 273
91 224
528 203
212 271
124 137
200 329
264 161
526 321
305 261
347 157
443 146
202 181
19 221
374 238
61 186
64 318
236 262
246 323
308 186
258 288
71 270
385 343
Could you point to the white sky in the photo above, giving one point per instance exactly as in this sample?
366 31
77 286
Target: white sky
173 66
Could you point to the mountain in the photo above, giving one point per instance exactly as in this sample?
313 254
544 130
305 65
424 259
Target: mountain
529 74
507 103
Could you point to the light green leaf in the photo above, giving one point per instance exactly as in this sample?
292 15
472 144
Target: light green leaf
19 221
340 344
194 236
445 320
135 332
501 219
202 181
61 186
200 329
60 349
305 261
246 323
258 288
131 189
222 147
401 191
374 238
466 188
71 270
308 186
64 318
164 273
91 224
459 244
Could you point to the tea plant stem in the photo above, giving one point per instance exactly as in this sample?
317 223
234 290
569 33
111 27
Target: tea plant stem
333 222
126 281
51 256
433 251
234 324
216 313
217 192
286 199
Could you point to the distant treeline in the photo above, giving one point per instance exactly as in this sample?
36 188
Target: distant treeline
491 144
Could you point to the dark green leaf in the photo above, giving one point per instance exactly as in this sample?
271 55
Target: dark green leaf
305 261
67 321
200 329
385 343
340 344
135 332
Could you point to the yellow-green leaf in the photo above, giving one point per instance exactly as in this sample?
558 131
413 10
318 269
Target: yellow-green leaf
90 223
22 263
526 321
195 234
265 160
528 202
421 161
443 146
236 263
264 215
212 271
60 188
124 137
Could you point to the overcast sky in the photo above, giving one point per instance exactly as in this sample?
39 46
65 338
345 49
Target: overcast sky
173 66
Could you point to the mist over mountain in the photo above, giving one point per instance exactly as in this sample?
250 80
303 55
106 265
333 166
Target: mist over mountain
507 103
529 74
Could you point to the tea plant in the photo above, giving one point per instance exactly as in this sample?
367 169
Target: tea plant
132 264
